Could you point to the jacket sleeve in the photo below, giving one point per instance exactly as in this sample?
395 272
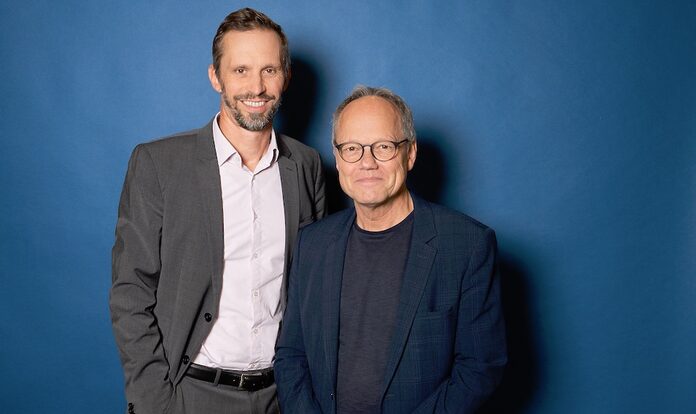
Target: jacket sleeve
480 350
293 379
135 276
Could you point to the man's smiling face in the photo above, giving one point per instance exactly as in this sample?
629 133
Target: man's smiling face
250 78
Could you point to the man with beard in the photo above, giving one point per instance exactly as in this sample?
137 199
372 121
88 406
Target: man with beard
206 224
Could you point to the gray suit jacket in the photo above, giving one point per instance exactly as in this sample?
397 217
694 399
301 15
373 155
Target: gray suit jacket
168 254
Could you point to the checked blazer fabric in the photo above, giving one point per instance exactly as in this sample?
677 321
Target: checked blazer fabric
448 350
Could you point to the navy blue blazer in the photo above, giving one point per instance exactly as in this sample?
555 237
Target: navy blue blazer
448 351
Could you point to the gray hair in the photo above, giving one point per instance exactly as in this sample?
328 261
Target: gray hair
362 91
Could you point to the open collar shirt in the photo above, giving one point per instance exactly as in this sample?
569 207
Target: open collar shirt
244 333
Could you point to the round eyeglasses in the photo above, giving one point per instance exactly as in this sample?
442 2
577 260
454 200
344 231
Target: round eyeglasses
381 150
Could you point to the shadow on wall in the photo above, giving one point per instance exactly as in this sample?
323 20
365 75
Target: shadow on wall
521 379
299 100
296 114
428 179
336 200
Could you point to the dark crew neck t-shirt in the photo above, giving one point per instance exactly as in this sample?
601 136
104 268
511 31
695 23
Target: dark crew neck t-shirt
372 272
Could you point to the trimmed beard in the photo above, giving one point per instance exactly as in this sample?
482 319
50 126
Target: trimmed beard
254 122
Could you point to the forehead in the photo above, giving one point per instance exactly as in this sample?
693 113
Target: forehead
368 118
255 45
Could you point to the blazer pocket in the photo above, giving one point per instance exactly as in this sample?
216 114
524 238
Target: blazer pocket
429 326
428 355
434 314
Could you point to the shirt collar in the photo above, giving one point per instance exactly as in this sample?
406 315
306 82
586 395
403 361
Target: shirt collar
225 150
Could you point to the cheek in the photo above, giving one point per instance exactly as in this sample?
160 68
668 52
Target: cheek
398 176
276 86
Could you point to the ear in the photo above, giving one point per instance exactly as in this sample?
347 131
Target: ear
335 154
214 82
412 151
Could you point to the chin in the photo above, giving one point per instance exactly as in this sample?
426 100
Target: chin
370 201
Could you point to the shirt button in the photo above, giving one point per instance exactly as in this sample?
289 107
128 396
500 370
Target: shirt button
255 256
256 331
208 317
256 293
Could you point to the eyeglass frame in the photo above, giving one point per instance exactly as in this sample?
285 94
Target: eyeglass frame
397 144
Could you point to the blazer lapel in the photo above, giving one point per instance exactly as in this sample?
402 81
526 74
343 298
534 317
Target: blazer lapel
331 295
420 260
208 176
287 168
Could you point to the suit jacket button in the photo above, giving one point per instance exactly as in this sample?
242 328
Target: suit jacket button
208 317
185 360
332 396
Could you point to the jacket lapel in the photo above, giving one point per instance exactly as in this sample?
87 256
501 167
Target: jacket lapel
420 260
208 177
331 295
291 203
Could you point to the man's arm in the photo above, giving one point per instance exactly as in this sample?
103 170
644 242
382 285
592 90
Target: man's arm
135 276
292 375
480 350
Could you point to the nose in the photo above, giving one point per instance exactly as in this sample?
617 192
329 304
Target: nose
368 161
257 85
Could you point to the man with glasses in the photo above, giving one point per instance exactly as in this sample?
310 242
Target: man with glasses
394 304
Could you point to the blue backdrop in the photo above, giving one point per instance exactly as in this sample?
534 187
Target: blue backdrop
569 127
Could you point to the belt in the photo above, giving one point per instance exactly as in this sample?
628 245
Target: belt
252 381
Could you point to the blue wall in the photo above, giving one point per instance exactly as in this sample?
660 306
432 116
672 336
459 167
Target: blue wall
569 127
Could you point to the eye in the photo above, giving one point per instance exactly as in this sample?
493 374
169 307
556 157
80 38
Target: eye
270 71
350 148
240 71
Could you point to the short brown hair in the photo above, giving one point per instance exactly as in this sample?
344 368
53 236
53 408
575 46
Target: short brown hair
244 20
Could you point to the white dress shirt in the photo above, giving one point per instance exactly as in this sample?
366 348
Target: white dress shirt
243 336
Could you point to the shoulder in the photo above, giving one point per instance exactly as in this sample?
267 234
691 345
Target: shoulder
455 228
296 149
328 228
177 150
168 157
450 219
179 143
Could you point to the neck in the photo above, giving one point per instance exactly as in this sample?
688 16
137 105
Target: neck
384 216
250 145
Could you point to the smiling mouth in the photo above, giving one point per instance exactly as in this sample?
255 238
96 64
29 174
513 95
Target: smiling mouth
253 101
254 104
368 180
